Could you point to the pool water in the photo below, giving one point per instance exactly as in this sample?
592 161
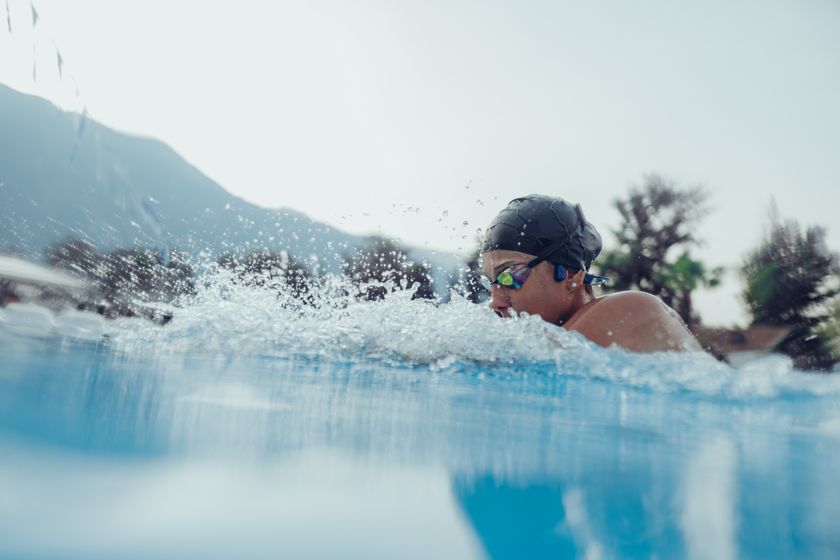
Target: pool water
399 429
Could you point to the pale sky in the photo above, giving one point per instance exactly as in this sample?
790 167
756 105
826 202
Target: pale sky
386 115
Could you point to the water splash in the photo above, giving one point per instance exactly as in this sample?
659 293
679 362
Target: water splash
228 318
60 64
34 49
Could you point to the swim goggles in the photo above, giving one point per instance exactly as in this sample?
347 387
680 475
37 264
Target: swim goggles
515 275
511 277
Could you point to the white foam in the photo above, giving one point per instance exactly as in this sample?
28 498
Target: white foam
225 317
228 319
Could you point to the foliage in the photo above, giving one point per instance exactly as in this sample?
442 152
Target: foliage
383 267
276 270
681 279
791 277
658 222
125 279
829 330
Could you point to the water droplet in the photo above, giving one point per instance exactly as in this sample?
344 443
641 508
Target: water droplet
445 213
465 223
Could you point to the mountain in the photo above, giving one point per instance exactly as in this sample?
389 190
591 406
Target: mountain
64 175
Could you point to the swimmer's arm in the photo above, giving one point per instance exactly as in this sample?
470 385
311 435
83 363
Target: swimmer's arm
635 321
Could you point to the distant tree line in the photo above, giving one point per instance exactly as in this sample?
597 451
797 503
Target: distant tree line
385 267
373 272
125 282
275 270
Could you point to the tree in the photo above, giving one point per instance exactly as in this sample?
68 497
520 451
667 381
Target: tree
657 230
385 266
143 274
829 331
125 279
78 256
269 269
791 278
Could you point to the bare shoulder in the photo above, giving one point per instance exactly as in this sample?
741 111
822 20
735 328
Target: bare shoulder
636 321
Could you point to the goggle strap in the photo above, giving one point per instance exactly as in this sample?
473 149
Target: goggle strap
588 278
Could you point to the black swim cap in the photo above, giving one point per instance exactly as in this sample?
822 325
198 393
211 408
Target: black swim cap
545 226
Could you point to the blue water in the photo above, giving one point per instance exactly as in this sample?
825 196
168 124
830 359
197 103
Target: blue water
400 430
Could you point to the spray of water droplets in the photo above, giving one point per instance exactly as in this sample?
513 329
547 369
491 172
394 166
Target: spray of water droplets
329 323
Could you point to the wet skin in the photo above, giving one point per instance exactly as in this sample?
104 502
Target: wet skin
635 321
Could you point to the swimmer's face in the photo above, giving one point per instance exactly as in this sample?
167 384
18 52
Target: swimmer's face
539 295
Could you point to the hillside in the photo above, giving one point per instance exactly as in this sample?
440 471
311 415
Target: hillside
62 176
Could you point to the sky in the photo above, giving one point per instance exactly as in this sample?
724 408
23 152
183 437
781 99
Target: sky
420 120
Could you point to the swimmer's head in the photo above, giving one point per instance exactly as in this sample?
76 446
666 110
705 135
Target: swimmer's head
549 228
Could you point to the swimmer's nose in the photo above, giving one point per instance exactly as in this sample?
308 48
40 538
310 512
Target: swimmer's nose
499 301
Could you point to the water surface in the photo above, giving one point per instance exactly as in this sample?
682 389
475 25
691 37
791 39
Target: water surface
399 429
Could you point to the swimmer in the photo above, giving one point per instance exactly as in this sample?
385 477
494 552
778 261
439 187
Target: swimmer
536 257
